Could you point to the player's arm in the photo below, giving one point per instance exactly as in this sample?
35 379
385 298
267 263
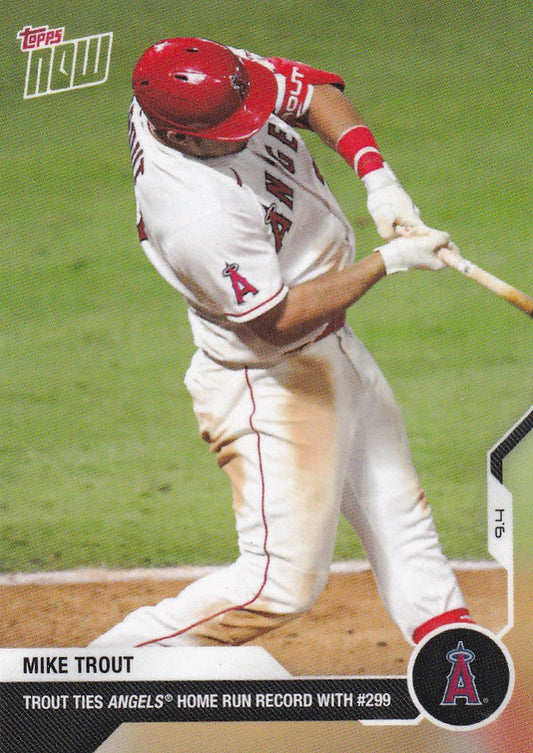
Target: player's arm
308 306
337 122
311 98
312 304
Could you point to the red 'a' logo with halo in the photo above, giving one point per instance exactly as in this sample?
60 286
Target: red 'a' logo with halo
461 681
241 286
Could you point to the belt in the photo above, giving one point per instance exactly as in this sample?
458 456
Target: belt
334 325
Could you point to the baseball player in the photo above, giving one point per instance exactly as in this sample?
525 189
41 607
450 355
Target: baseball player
235 214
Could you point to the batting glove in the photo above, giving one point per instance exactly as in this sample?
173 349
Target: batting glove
414 252
389 205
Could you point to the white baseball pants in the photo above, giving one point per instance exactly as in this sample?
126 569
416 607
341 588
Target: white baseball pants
316 434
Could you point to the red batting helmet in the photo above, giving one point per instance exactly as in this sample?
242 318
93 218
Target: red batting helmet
202 88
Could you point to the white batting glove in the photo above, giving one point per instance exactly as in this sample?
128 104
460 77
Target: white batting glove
414 252
390 206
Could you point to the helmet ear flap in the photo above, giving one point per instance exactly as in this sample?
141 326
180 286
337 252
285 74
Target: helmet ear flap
203 88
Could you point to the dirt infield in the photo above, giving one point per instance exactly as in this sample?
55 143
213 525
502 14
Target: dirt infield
347 632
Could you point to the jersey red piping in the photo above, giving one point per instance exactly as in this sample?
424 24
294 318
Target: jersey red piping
245 313
265 540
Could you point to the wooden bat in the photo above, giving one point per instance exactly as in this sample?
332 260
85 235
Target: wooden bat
501 288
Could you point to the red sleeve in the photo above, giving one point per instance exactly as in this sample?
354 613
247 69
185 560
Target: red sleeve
310 75
296 81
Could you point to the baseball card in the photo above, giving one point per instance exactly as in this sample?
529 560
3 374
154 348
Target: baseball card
266 356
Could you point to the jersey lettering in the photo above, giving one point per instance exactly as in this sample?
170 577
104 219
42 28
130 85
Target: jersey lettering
136 152
279 224
141 230
285 138
279 189
241 286
282 159
318 173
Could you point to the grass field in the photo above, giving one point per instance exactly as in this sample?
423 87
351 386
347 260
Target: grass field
99 457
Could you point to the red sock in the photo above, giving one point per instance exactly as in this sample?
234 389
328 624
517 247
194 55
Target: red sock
455 615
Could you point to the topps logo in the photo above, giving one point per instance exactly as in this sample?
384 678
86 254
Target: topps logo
42 36
55 65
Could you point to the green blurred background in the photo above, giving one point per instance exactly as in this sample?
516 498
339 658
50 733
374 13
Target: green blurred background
100 462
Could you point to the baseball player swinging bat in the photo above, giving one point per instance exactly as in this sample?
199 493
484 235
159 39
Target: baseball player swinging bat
453 259
234 213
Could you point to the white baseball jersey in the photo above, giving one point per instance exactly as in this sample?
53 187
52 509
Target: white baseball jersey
310 434
234 233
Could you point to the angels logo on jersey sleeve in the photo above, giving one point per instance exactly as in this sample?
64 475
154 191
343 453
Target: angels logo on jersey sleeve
241 286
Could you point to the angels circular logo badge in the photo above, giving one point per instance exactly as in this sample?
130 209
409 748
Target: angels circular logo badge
461 677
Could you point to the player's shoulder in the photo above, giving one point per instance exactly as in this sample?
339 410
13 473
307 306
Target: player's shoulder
216 195
183 179
277 134
276 124
190 207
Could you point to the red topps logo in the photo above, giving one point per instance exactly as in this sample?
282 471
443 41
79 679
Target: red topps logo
41 36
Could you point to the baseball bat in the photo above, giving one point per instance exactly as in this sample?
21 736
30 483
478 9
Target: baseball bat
488 280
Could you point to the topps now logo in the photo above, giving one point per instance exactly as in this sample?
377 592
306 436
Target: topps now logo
58 65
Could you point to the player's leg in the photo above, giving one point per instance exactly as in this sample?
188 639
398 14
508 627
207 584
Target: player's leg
386 506
274 433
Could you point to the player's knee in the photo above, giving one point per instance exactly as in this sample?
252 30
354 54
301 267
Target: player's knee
294 592
308 595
